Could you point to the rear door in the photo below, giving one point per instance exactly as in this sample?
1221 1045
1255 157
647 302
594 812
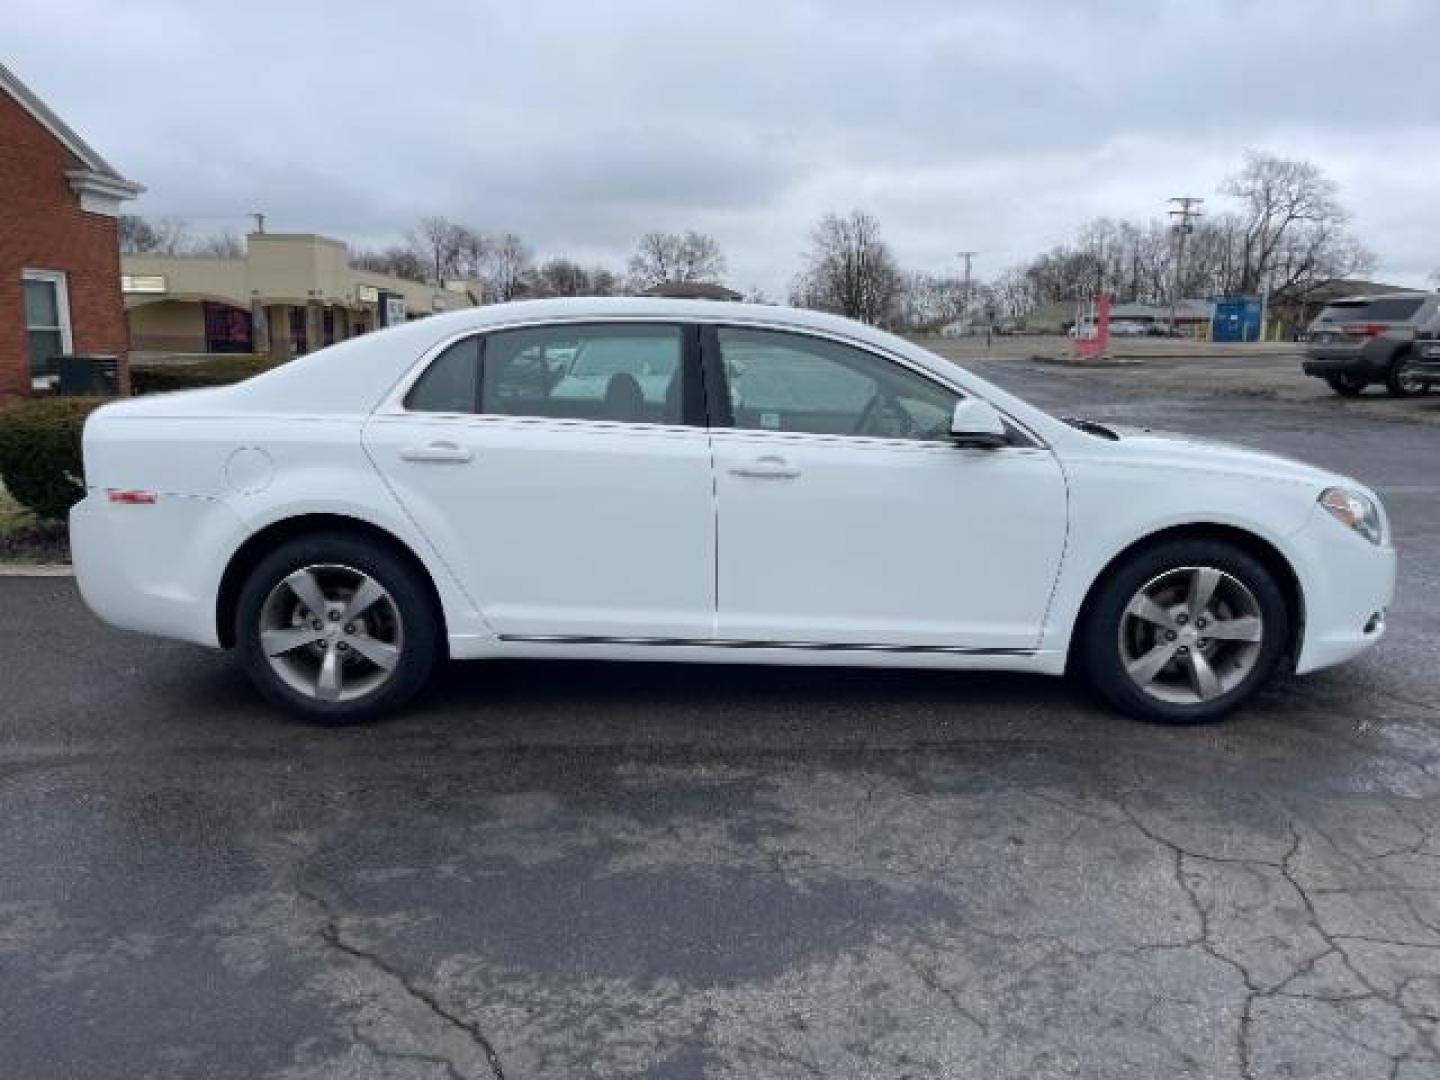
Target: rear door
563 472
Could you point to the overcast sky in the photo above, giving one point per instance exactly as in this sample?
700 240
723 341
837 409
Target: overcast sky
580 124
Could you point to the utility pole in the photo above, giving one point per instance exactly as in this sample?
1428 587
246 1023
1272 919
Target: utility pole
965 289
259 221
1186 211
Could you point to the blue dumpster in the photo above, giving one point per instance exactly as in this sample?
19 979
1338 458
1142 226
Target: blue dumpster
1237 318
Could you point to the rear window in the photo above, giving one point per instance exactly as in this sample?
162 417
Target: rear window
1384 309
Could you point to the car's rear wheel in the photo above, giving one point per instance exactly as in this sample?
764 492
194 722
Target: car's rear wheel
1184 632
336 629
1346 385
1399 382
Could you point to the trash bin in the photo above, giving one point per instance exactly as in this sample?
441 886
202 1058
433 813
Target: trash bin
82 376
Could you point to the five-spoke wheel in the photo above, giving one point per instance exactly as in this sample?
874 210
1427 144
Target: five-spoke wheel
1191 634
336 628
1184 631
332 632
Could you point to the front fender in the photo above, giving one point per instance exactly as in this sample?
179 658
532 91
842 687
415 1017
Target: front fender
1104 527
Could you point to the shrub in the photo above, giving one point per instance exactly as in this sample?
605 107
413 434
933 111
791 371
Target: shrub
40 462
160 378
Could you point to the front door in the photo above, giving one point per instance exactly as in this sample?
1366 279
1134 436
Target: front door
562 471
847 516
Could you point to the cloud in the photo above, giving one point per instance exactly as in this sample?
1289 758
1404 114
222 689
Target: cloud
997 126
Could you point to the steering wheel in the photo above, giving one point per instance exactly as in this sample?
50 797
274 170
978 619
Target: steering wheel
881 404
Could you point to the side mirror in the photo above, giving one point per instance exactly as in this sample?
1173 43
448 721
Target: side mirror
978 423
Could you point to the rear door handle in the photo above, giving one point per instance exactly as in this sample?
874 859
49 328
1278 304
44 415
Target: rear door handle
437 453
768 467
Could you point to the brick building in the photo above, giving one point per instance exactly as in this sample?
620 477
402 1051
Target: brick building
59 243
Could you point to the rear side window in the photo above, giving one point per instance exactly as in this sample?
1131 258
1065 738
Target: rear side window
1383 309
451 384
624 372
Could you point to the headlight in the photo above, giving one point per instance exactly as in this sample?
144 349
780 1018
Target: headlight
1355 510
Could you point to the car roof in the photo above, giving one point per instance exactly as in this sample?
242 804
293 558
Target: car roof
1370 298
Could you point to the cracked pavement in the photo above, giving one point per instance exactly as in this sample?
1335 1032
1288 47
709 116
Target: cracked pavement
670 871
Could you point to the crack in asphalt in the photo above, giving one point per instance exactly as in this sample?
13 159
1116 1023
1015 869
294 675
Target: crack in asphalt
1417 1023
330 933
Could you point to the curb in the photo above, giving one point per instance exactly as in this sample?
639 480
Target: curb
36 570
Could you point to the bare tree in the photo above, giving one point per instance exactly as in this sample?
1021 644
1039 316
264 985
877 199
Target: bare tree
662 257
224 244
605 282
563 277
472 249
1294 230
507 267
849 270
397 261
439 242
157 236
929 301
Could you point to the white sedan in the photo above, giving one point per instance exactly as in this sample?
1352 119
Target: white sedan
759 485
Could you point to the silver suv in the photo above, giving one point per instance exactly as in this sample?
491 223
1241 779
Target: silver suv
1372 339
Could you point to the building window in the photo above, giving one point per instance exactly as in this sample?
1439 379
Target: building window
327 323
227 328
299 344
47 320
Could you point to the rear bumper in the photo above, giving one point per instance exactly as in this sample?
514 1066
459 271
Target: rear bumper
155 569
1323 361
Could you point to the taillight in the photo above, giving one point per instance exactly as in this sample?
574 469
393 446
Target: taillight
1373 329
133 498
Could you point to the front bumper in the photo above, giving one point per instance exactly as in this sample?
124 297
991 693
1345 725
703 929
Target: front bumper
154 568
1425 363
1348 585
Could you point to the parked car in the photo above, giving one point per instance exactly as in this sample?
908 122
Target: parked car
1362 340
807 490
1424 366
1129 328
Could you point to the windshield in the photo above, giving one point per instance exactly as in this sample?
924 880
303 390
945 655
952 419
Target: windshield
1380 309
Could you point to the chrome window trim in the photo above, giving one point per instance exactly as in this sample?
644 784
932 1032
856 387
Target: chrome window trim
394 403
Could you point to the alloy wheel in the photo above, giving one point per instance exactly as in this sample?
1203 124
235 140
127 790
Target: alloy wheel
331 632
1190 635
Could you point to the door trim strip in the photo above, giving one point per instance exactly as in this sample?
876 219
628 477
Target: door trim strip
732 643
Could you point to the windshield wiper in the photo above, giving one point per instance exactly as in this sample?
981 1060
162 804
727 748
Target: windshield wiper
1091 427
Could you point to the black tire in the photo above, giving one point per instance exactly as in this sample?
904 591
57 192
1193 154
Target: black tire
1346 385
1098 645
1396 385
420 643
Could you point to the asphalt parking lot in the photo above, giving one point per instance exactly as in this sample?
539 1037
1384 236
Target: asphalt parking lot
675 871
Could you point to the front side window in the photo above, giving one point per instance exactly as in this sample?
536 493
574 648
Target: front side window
630 373
47 320
790 382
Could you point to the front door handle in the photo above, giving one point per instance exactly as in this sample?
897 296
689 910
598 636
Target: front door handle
768 467
437 453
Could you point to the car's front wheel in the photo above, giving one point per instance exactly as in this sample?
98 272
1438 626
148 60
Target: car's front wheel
1184 632
336 629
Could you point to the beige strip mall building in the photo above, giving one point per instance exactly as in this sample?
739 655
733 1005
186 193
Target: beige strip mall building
289 294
